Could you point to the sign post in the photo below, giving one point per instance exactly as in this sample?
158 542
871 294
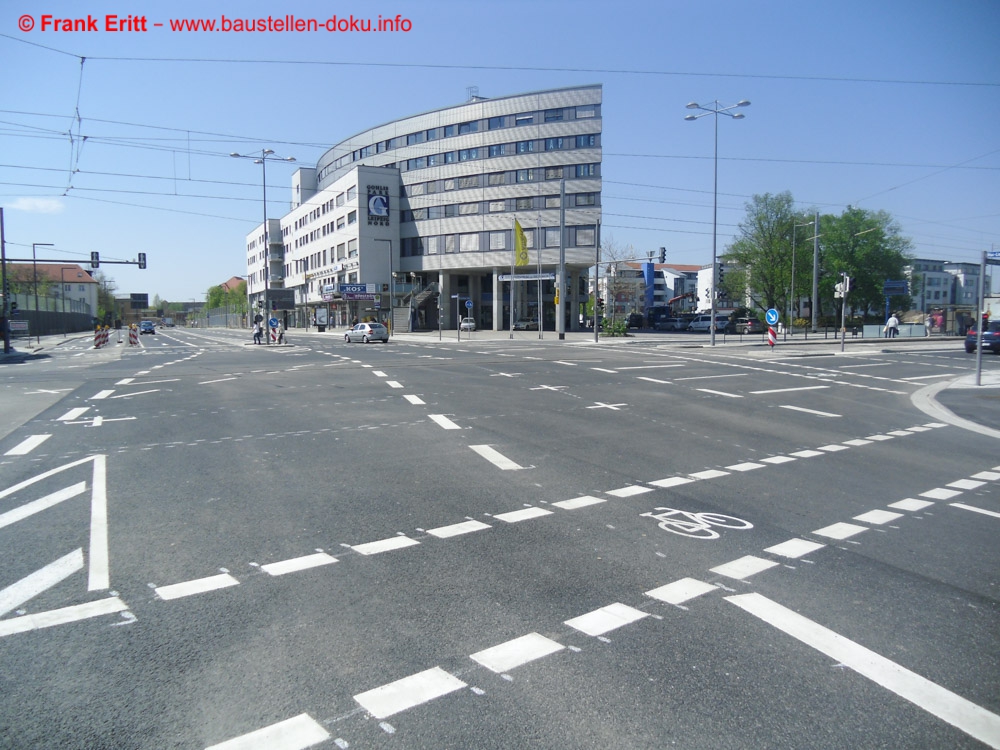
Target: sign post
771 317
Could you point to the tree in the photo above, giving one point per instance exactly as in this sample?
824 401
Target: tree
868 247
106 289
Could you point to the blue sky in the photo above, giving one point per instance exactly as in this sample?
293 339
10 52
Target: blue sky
885 105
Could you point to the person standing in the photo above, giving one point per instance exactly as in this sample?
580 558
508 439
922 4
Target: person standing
256 333
892 327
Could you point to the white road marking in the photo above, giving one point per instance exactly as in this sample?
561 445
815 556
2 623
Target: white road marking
672 481
744 567
35 506
99 577
940 493
137 393
61 616
602 405
456 529
936 375
73 413
514 653
719 393
41 580
974 509
496 458
124 381
27 445
379 374
385 701
606 619
899 433
415 400
516 516
601 369
713 377
911 504
966 484
857 442
989 476
681 591
840 530
808 411
879 438
778 459
197 586
630 491
648 367
878 517
806 454
833 448
384 545
709 474
298 563
218 380
579 502
444 422
100 395
975 721
297 733
654 380
394 384
746 466
795 548
568 364
790 390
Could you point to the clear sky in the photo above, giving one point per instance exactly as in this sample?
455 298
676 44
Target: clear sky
119 141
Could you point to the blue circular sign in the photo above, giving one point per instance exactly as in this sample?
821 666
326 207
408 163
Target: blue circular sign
468 304
273 322
771 316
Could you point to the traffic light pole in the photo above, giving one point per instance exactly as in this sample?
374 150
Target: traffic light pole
3 310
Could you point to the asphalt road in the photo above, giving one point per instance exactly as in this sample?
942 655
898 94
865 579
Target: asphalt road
497 543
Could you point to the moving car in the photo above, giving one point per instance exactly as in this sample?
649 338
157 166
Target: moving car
704 323
147 326
526 324
467 324
367 332
635 320
745 325
991 338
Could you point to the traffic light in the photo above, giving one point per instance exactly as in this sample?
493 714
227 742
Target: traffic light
722 272
95 260
274 304
142 260
600 302
838 290
847 284
13 308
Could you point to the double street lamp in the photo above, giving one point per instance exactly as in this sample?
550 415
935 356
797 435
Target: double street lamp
266 155
715 108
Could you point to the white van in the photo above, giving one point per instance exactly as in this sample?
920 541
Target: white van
704 323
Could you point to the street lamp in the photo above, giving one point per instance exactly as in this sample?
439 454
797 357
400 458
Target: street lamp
266 155
413 284
715 109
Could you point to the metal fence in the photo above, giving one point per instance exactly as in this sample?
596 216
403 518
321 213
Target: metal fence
54 315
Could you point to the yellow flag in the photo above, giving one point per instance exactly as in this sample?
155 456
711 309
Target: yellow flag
520 245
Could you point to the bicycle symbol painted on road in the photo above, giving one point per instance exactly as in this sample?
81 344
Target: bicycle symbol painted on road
695 525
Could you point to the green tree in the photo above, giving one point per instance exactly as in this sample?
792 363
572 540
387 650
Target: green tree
868 247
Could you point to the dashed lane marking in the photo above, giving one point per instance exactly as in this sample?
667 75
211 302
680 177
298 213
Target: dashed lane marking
808 411
744 567
719 393
388 700
27 445
298 563
681 590
496 458
197 586
384 545
840 530
516 653
443 422
606 619
297 733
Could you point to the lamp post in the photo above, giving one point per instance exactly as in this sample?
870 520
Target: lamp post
413 285
266 155
715 109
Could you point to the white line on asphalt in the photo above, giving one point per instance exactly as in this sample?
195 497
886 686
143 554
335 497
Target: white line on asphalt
218 380
297 733
516 516
672 481
444 422
744 567
514 653
629 491
457 529
795 548
713 377
298 563
648 367
878 517
974 509
496 458
41 580
579 502
379 374
719 393
100 395
808 411
384 545
940 493
394 384
61 616
833 448
29 509
27 445
781 459
385 701
681 590
601 369
654 380
415 400
606 619
124 381
966 484
137 393
936 375
73 413
857 442
879 438
197 586
911 504
568 364
99 577
709 474
931 697
840 530
989 476
745 466
790 390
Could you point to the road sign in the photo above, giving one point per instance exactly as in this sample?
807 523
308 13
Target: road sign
771 316
993 253
527 277
468 304
273 322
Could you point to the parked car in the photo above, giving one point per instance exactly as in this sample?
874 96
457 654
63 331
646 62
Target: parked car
526 324
367 332
635 320
704 323
467 324
745 325
669 324
991 338
147 326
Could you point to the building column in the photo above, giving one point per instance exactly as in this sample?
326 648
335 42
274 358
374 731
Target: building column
445 303
497 300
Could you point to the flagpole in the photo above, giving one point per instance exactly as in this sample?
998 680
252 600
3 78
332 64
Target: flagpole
538 247
513 260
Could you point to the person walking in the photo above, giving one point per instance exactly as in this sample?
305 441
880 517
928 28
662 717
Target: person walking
891 327
256 333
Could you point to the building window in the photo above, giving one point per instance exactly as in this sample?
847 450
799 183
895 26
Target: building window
585 170
525 147
495 123
467 209
553 144
553 173
449 157
352 217
340 199
414 138
498 150
341 223
352 249
551 236
418 214
433 134
586 141
341 250
433 160
352 193
553 115
552 201
449 243
449 184
496 206
416 189
585 112
525 118
525 175
586 199
469 243
498 178
419 163
523 204
584 236
468 182
468 127
467 154
450 130
498 240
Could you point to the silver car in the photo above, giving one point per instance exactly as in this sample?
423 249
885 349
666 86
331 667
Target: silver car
367 332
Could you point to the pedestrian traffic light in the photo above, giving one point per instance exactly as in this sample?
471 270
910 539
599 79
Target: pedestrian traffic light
13 308
95 260
274 304
142 260
722 272
600 301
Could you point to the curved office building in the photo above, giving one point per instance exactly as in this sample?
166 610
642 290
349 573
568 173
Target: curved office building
419 215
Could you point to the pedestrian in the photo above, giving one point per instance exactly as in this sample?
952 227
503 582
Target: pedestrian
256 333
891 327
281 334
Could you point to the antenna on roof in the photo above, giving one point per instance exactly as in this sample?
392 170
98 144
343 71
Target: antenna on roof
473 93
